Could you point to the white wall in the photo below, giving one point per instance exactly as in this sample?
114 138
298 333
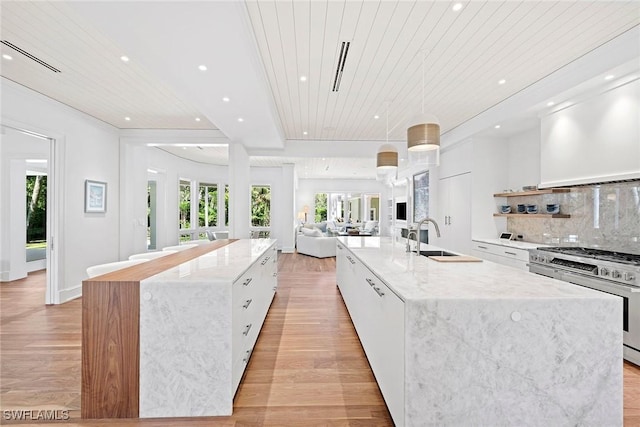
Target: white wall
523 163
86 148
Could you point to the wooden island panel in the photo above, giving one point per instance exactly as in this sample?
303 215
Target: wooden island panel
111 334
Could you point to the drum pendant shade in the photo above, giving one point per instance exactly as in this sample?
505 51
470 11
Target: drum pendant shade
423 137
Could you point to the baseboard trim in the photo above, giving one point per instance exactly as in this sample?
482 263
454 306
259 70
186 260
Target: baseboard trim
70 294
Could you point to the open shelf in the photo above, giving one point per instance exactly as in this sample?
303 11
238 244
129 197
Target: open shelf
533 192
538 215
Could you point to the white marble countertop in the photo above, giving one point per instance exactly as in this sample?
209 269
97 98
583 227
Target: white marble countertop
221 265
414 277
517 244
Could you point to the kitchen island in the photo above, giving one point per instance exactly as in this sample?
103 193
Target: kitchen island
478 343
171 337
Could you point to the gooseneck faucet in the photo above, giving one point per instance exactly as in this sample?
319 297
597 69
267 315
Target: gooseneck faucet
409 239
417 230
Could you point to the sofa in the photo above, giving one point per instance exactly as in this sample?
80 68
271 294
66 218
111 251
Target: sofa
311 240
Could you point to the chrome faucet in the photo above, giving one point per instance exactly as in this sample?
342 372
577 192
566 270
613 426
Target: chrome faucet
417 230
409 239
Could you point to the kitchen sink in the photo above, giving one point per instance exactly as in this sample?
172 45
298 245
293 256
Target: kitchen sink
436 253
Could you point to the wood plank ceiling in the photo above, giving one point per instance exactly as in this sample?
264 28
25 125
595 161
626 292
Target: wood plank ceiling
466 53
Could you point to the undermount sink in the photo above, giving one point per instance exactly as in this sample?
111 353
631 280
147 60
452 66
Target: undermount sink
436 253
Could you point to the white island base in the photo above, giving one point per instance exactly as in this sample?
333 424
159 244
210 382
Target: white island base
480 343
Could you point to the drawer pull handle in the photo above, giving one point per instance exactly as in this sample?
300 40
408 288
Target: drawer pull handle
247 303
482 247
275 274
246 282
510 253
339 247
275 288
378 291
264 261
247 329
248 356
370 282
351 260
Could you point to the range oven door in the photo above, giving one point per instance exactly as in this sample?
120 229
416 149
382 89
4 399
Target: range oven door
631 303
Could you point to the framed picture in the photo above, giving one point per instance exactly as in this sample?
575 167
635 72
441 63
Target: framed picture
95 196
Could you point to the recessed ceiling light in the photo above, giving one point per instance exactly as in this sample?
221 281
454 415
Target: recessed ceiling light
202 67
124 58
226 99
303 78
497 126
501 82
376 117
609 77
550 103
8 57
324 158
127 119
456 7
197 119
305 133
184 148
240 119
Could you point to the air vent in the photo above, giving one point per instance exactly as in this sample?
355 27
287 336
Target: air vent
342 59
30 56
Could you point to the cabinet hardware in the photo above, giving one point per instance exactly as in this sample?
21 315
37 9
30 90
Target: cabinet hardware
275 274
378 291
449 220
246 282
370 282
339 247
482 247
275 288
247 329
351 260
246 358
265 260
511 253
247 303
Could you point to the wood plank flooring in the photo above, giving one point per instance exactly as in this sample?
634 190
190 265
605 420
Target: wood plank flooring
308 367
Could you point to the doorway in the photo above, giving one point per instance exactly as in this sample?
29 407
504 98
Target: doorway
27 230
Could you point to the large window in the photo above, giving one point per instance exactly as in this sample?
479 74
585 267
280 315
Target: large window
184 213
207 205
260 206
321 207
226 205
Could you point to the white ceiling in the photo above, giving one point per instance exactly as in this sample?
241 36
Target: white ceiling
256 52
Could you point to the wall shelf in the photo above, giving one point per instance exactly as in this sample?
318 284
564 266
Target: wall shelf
534 192
538 215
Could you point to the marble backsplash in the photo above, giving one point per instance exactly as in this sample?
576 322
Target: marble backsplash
605 216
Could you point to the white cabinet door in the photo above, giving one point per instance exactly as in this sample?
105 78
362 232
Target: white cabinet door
454 214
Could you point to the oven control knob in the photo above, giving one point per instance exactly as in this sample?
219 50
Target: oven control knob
629 276
615 274
604 272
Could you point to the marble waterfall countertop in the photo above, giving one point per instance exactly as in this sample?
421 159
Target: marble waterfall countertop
224 264
414 277
486 344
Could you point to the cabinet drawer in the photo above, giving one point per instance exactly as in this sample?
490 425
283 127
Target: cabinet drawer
513 253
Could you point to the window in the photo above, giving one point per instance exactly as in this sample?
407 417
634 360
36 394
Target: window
260 205
207 205
184 213
321 207
226 205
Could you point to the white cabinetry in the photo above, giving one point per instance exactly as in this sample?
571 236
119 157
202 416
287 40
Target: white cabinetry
378 316
252 294
512 257
454 207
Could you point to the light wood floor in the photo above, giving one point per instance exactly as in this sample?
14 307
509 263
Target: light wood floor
308 367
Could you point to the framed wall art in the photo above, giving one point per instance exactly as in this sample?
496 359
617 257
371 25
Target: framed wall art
95 196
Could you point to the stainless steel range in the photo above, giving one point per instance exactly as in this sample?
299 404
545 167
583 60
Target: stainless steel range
612 272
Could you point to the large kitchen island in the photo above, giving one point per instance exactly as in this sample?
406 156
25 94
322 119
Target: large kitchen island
478 343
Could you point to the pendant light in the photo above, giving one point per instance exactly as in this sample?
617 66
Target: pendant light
387 159
423 133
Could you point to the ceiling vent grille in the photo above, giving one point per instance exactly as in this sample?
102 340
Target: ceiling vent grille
342 59
30 56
